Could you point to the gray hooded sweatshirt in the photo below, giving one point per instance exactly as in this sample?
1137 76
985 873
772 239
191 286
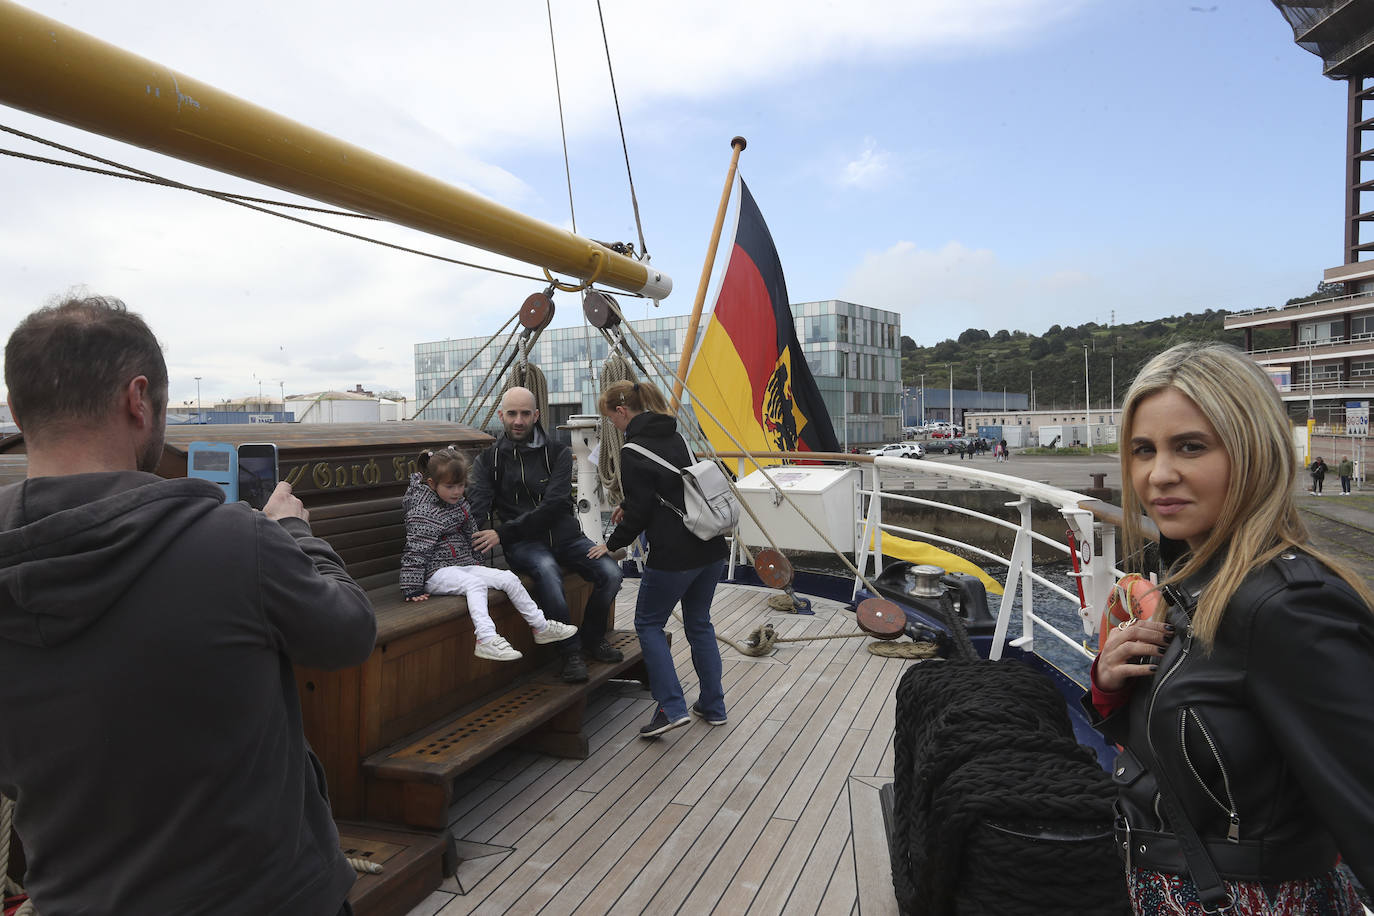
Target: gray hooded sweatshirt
151 731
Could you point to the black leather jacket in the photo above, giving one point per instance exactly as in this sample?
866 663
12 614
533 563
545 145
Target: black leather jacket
1268 741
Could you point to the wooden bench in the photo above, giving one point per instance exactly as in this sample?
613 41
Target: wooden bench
394 733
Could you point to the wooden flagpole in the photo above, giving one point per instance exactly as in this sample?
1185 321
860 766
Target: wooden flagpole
689 342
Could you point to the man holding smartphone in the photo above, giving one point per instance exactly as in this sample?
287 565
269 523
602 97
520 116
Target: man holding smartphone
152 731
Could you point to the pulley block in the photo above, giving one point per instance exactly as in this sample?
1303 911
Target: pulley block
881 618
774 569
536 311
599 309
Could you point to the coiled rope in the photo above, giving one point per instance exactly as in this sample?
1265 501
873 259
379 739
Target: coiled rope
996 807
616 368
11 888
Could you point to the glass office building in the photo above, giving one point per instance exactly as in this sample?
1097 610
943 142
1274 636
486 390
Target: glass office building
854 353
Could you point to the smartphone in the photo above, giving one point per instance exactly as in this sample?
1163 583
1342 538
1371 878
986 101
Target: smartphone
217 462
258 472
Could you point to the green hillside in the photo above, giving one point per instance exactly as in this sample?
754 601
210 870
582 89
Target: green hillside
1053 362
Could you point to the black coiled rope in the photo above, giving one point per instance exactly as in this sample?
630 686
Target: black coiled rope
996 808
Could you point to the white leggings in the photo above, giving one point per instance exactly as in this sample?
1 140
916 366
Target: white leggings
473 581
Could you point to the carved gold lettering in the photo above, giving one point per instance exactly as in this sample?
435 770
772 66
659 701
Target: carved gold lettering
294 475
341 476
372 472
357 475
399 465
320 474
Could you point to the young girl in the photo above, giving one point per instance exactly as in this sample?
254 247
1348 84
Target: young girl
440 559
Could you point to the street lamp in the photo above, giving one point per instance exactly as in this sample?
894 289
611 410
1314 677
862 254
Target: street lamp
200 417
1087 403
844 392
923 399
950 367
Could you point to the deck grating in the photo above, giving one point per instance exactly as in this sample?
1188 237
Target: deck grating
775 813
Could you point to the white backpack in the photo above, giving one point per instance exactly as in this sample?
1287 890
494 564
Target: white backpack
712 507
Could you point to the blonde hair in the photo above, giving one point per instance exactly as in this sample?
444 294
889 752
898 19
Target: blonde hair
638 396
1259 517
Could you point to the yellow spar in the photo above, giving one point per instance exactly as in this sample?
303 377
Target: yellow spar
56 72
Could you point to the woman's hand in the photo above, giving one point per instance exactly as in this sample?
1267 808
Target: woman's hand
418 598
598 551
617 515
1132 649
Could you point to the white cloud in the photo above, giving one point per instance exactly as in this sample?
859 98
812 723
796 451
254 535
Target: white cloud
461 91
870 170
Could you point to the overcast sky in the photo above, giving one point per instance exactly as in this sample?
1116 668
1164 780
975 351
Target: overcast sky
967 163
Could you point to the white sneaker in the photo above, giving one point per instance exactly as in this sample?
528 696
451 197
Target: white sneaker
497 649
556 631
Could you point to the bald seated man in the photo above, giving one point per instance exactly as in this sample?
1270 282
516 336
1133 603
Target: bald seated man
521 497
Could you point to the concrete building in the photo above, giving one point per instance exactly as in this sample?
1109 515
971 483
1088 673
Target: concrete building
1323 365
853 351
336 407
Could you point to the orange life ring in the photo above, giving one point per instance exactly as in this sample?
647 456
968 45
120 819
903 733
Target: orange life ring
1133 598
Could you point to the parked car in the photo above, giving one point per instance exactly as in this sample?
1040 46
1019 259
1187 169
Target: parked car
899 450
952 446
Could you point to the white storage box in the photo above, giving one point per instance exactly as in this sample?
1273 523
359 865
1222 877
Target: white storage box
825 494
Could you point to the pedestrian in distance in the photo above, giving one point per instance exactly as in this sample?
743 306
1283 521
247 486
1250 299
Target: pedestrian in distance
1242 701
1345 470
1318 471
680 568
440 558
148 631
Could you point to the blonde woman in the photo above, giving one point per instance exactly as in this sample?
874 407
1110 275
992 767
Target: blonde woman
1245 716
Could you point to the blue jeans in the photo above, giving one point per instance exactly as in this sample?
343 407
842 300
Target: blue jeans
659 591
545 565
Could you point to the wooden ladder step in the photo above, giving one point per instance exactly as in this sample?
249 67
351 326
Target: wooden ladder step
413 866
411 781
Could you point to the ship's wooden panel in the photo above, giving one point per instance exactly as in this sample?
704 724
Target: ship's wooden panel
775 812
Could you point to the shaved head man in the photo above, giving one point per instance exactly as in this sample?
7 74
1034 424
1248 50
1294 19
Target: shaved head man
521 496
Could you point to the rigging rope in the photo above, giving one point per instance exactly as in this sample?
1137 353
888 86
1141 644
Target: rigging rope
9 887
479 396
243 202
480 350
558 90
526 374
634 201
615 369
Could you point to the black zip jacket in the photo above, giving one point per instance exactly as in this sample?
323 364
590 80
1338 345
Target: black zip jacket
1267 740
671 545
524 491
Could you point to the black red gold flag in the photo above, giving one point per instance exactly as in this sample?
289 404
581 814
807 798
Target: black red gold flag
749 370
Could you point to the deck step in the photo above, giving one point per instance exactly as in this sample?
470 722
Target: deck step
411 781
413 866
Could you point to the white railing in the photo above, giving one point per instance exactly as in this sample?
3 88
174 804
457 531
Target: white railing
1096 539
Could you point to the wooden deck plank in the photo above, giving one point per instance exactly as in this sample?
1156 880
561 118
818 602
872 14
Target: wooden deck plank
763 815
638 768
842 893
640 801
748 880
876 896
812 883
806 845
809 723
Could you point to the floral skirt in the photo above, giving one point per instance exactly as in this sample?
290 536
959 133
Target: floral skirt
1156 894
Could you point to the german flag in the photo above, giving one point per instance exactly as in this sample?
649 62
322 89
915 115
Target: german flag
749 370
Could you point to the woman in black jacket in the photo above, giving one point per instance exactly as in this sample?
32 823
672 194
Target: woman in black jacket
1244 710
680 567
